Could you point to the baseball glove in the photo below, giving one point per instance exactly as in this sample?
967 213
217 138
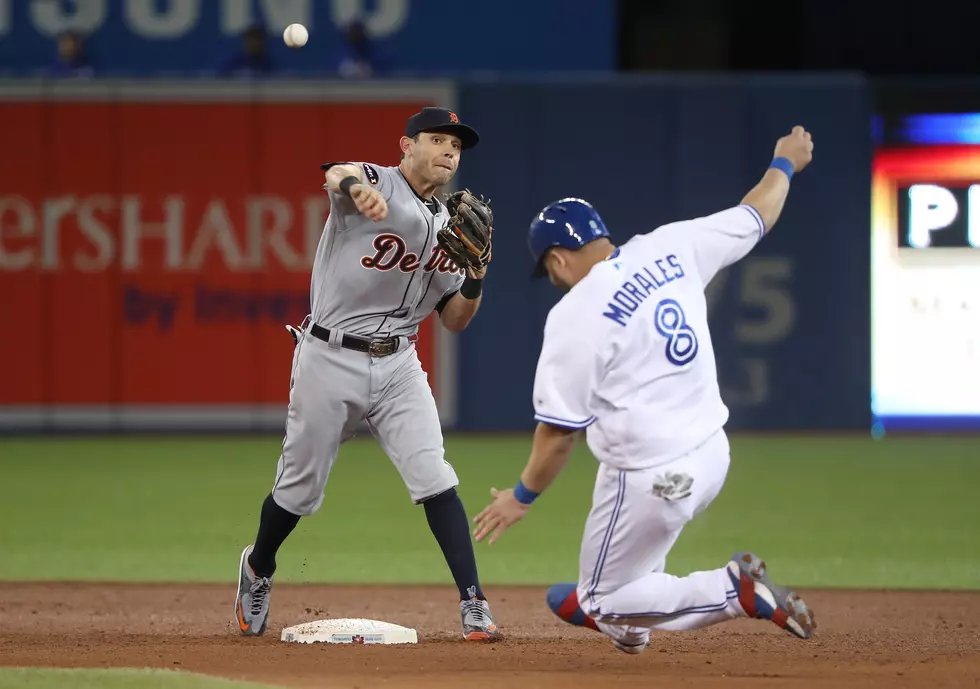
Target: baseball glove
466 238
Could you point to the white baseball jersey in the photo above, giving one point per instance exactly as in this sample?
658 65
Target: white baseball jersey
627 353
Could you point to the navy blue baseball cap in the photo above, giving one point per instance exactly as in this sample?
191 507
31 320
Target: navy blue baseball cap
441 120
570 223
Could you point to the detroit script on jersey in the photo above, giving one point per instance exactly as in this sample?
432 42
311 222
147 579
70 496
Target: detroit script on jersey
627 353
382 278
391 251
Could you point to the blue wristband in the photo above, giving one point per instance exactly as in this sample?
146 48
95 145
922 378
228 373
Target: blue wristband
784 165
523 494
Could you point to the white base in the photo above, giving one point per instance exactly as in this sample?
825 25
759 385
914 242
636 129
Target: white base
349 631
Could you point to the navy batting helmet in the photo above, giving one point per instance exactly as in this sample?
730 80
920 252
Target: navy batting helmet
570 223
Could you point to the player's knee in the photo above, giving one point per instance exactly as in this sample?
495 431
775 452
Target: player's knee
587 599
304 509
593 601
302 505
443 498
438 483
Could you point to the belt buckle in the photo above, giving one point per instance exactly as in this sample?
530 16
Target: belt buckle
381 347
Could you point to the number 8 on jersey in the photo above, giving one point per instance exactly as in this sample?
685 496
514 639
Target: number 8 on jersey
682 342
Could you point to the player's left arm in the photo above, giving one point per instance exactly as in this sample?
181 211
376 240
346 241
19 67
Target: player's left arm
457 309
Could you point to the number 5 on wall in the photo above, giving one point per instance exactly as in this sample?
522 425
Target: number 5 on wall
764 288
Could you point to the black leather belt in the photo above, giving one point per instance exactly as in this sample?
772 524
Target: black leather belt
360 344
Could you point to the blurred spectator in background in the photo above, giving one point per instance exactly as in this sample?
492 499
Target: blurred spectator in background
253 60
71 60
357 60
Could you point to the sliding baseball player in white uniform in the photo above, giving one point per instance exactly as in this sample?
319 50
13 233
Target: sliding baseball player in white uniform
628 357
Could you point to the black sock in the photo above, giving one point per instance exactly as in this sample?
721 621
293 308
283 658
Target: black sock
274 526
449 525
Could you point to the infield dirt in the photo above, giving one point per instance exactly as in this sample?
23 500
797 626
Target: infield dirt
864 639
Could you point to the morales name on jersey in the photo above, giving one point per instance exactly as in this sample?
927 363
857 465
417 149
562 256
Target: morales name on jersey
642 284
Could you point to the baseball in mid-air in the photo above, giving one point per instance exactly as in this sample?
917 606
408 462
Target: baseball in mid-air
295 35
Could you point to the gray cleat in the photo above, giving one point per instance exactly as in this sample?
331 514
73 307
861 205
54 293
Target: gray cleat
477 622
252 604
762 599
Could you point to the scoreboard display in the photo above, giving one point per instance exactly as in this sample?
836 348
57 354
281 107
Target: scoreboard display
937 215
925 272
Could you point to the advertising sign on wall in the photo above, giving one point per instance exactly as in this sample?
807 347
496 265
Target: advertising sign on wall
154 243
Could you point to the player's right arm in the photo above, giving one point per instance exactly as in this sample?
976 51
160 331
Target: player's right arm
567 370
348 179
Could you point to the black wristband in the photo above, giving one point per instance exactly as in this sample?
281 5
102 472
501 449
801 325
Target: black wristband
471 288
347 182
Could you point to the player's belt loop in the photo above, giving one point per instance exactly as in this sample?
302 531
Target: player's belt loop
335 337
403 342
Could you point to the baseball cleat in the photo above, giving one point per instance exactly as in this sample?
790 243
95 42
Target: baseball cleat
563 601
762 599
631 648
252 603
477 622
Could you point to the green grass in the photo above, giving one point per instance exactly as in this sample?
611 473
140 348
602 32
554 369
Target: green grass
828 511
17 678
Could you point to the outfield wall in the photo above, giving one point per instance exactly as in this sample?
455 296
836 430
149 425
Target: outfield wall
156 236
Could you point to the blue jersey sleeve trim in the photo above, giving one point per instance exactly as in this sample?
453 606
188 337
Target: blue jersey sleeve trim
758 218
564 423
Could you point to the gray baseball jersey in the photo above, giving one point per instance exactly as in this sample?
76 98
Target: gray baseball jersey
382 278
372 279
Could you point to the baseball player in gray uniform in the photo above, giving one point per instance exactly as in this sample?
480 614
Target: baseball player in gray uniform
390 254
